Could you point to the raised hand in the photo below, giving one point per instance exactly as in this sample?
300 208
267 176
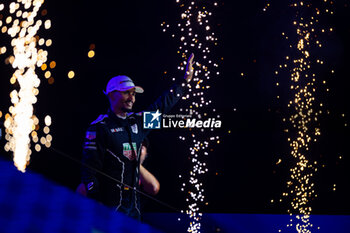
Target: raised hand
189 68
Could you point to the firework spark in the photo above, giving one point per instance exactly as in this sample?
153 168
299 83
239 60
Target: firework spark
195 35
304 115
21 123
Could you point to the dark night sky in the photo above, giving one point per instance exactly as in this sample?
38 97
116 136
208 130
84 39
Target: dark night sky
243 176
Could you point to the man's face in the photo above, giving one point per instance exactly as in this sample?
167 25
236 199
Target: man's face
122 100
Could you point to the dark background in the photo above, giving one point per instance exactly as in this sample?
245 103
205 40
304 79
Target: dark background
243 176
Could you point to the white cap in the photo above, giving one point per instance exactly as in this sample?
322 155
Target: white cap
121 83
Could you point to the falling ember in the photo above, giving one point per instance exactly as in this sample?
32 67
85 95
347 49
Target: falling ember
71 74
91 53
26 57
194 34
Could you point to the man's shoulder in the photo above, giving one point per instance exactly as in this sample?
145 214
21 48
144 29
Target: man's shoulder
137 114
100 119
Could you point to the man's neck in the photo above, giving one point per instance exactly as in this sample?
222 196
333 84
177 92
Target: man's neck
120 113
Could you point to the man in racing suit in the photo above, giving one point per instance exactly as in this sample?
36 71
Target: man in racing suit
113 143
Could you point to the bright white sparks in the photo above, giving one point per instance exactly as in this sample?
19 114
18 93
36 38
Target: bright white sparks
195 36
26 57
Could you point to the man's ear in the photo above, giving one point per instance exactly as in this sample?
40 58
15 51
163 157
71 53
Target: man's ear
110 96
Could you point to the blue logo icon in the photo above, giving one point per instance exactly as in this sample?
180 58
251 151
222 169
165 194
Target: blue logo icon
151 120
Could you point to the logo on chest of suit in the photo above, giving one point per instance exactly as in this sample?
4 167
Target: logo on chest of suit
117 130
127 152
134 128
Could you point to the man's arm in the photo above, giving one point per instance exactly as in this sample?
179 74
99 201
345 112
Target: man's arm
93 155
166 101
149 182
